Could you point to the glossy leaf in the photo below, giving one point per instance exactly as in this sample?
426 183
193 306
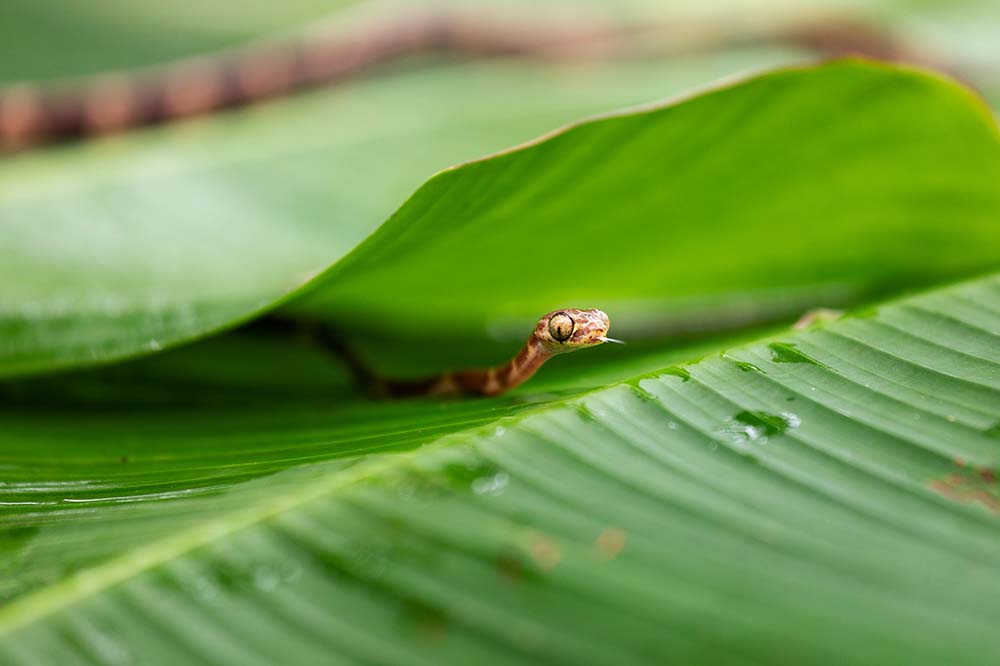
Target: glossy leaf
825 496
128 246
797 188
733 509
906 198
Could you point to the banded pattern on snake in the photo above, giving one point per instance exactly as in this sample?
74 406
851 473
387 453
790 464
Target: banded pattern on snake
557 332
33 114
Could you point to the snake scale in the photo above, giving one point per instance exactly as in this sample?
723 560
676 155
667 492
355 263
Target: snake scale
557 332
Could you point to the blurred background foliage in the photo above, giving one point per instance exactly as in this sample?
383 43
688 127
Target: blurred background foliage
188 208
114 34
129 244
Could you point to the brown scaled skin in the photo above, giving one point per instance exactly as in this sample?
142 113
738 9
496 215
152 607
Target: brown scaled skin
557 332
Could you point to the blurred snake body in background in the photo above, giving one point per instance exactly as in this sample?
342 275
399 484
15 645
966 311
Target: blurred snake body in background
37 113
33 113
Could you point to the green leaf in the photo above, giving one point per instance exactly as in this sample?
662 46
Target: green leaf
908 197
823 496
127 246
804 186
827 495
107 35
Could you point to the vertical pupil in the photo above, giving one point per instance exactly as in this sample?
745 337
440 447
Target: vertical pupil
561 328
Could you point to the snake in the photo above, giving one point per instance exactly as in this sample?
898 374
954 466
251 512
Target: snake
556 333
33 114
109 102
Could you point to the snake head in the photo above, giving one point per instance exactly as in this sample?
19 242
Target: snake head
571 329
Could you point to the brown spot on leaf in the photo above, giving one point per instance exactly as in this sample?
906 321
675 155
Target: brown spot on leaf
544 551
609 543
969 486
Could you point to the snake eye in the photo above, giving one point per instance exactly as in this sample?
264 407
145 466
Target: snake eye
561 326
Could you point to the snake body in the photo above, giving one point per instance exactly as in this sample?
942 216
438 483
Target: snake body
32 114
329 51
557 332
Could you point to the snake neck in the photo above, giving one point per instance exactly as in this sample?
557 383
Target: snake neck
519 369
482 382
